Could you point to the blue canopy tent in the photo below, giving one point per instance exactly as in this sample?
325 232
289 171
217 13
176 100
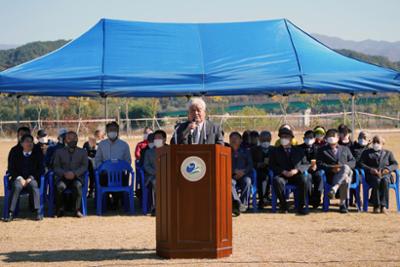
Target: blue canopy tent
142 59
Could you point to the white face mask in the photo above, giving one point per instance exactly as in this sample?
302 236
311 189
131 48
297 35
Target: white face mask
285 141
376 146
158 143
319 136
112 135
332 140
362 142
43 140
265 144
309 141
151 145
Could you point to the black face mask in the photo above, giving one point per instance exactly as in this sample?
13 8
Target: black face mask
72 144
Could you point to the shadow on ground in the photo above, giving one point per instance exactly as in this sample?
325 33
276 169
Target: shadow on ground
79 255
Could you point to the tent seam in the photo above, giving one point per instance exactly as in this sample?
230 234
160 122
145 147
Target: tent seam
102 60
295 53
202 54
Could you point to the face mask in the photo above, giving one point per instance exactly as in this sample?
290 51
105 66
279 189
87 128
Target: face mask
362 142
285 141
151 145
158 143
145 136
112 135
265 144
319 136
309 141
332 140
72 144
377 146
43 140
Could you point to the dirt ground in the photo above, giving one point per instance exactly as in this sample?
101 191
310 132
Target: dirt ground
260 239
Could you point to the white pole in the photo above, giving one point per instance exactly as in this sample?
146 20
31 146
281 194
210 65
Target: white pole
353 115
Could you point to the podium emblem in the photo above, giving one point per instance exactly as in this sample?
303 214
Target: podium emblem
193 169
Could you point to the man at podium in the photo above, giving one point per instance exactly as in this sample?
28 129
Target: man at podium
197 129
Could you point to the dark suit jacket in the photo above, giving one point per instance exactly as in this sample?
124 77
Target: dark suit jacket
326 159
241 160
280 161
18 148
76 162
373 160
309 151
259 154
20 166
213 134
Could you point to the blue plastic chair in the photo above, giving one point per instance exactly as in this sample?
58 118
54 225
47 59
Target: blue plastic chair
394 186
289 188
7 195
52 194
140 180
114 170
254 189
328 187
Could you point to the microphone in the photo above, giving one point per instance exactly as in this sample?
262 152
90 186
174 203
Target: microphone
190 136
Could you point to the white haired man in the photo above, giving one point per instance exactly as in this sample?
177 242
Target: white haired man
197 129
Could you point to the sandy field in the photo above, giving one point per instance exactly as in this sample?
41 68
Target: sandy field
260 239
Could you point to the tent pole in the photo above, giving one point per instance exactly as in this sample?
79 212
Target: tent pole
353 115
18 112
105 108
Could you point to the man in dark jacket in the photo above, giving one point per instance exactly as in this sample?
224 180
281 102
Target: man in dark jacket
242 164
25 169
260 156
70 165
378 164
197 130
288 164
310 150
338 164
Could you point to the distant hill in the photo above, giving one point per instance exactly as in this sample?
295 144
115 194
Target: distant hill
21 54
8 46
390 50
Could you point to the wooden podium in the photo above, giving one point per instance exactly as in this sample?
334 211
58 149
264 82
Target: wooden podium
194 214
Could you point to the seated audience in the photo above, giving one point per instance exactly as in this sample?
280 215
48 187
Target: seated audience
246 140
25 168
113 148
70 165
49 157
254 139
287 126
91 147
337 162
150 139
359 146
260 156
242 165
378 164
144 143
149 164
310 150
288 164
344 136
20 132
319 133
43 141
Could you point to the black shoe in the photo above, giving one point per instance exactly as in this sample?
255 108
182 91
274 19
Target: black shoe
59 213
343 209
284 208
302 211
78 214
39 216
10 217
236 208
153 212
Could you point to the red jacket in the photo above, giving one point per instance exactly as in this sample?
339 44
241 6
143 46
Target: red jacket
139 147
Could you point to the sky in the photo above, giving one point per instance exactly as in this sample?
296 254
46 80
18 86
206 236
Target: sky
25 21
